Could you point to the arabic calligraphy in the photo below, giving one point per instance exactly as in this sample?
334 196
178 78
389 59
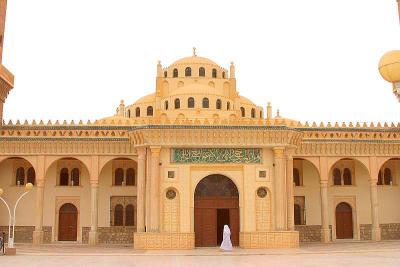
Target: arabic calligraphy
217 155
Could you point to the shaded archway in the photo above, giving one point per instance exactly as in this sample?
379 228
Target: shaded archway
344 221
68 223
216 203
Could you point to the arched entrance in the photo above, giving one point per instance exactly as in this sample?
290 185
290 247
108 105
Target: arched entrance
216 203
344 221
67 222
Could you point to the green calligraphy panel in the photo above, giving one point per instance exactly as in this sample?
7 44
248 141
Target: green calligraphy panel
217 155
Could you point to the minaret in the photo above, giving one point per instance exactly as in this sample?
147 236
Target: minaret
6 77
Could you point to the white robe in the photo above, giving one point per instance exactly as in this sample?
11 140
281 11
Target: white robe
226 241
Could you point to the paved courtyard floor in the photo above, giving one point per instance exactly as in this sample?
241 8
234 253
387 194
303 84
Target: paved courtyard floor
334 254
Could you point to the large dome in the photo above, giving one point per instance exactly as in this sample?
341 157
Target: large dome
389 66
194 60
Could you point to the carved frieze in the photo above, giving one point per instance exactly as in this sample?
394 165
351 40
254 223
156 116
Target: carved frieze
216 155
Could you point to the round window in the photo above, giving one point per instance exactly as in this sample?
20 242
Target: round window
171 194
262 192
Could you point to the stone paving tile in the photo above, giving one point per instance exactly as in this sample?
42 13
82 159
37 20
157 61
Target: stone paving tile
334 254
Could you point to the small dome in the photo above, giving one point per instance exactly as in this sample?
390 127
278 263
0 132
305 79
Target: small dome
389 66
246 101
146 99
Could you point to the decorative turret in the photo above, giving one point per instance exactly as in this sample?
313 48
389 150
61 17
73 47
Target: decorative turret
232 71
121 109
269 111
159 69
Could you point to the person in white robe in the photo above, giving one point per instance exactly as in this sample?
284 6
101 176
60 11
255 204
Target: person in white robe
226 244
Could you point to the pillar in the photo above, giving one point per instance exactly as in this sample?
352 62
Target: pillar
376 230
325 232
94 188
290 189
280 189
38 233
141 187
155 189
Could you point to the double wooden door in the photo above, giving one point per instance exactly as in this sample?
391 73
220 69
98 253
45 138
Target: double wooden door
67 223
344 221
210 216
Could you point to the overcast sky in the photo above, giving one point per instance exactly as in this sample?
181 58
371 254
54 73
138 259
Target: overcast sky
312 59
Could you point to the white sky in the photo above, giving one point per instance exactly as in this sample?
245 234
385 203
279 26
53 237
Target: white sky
313 59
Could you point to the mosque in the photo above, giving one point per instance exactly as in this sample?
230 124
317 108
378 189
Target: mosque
170 170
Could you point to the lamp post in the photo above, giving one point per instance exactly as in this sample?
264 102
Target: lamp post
11 220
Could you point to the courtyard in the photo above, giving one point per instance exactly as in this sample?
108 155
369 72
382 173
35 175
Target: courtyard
333 254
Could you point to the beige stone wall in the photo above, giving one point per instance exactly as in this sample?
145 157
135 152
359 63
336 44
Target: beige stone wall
26 211
245 178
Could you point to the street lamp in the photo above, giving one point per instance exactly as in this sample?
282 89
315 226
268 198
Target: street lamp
11 220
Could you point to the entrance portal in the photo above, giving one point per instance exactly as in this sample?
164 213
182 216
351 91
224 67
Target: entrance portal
216 203
344 221
67 223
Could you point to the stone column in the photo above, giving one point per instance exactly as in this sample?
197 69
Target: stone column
155 189
280 189
40 172
141 187
94 188
325 232
290 193
375 229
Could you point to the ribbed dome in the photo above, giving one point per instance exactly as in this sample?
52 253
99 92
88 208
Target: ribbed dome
194 60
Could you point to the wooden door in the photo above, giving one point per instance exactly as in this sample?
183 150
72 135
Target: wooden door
344 221
68 223
206 227
234 225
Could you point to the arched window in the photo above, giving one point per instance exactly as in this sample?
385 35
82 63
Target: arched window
202 72
223 75
243 111
219 104
206 103
297 214
119 215
166 105
214 73
228 106
137 113
118 176
75 177
128 113
130 177
20 176
129 215
64 176
387 176
253 113
190 102
337 177
177 103
296 177
347 177
175 73
261 114
31 176
165 74
188 72
149 111
380 178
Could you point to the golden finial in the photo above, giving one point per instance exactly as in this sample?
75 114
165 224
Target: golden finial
194 52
